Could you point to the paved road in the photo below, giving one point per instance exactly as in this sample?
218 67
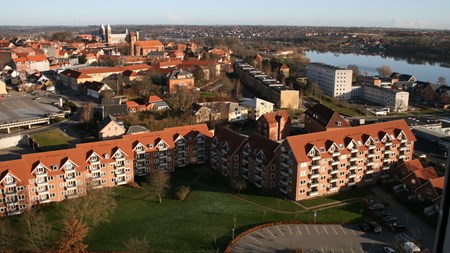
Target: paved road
313 239
417 228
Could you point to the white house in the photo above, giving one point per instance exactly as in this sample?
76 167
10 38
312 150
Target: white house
96 89
256 107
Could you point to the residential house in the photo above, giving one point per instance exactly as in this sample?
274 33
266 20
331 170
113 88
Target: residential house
275 125
31 62
155 103
97 89
179 80
321 118
256 107
110 128
432 190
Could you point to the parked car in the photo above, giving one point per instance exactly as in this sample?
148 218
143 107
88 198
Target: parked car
396 227
364 227
376 228
376 206
388 250
410 247
390 219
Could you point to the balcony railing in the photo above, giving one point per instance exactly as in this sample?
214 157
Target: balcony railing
333 188
313 183
385 168
351 183
368 171
313 193
333 179
335 153
315 158
388 143
354 150
387 151
403 140
385 160
402 148
10 184
352 167
312 176
315 166
351 175
353 159
334 171
335 162
370 163
384 175
372 146
370 155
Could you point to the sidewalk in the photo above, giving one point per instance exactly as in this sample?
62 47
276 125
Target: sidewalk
417 228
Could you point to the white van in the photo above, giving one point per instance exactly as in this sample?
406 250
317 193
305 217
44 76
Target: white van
410 247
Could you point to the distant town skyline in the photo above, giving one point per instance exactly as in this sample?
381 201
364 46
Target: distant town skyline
348 13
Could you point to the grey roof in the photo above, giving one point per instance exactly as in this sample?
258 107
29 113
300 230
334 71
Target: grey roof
176 74
115 110
107 120
111 101
136 129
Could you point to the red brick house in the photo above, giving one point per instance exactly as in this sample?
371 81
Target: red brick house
274 125
432 190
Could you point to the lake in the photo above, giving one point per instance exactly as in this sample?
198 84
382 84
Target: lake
370 63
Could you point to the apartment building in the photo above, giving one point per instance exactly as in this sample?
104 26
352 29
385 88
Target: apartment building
326 162
267 87
58 175
333 81
226 152
321 118
275 125
396 100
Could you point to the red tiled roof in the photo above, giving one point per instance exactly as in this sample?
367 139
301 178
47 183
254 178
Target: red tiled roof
154 99
271 117
149 43
300 144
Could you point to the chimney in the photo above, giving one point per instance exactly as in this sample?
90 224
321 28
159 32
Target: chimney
278 118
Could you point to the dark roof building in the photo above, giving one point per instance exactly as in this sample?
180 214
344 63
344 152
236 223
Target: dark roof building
321 118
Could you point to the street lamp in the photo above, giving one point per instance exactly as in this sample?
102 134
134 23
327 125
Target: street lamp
232 233
315 216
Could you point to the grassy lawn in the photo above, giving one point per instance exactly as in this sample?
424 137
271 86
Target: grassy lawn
340 109
203 220
357 193
51 140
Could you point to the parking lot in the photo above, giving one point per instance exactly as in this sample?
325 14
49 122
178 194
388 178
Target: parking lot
314 238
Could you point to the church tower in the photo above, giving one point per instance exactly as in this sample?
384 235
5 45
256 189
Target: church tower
108 34
102 32
132 40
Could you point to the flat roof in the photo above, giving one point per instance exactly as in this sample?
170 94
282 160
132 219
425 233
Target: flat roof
21 109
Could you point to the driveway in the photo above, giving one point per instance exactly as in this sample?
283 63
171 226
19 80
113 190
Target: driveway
417 228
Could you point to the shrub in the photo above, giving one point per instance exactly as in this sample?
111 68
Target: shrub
182 192
133 185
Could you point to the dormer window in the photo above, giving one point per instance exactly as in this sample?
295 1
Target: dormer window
68 166
9 179
54 167
106 155
150 145
94 158
139 148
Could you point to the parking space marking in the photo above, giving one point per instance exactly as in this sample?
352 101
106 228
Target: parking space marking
307 230
342 250
322 250
325 230
300 233
353 232
249 244
280 231
343 230
290 230
317 230
254 239
270 232
362 251
352 250
334 229
332 251
261 235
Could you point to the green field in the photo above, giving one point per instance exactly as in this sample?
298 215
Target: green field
347 195
51 140
204 220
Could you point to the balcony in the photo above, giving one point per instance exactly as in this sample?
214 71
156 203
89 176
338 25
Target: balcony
119 158
313 193
388 143
354 150
95 169
140 150
283 190
334 171
384 175
316 175
351 183
387 151
224 159
335 162
402 148
333 188
372 146
385 160
258 177
403 140
370 163
313 184
46 200
385 168
368 171
94 161
335 153
140 159
71 187
368 180
70 178
352 167
41 182
10 193
245 175
351 175
315 158
353 159
284 173
10 184
401 157
71 195
333 179
120 173
370 155
258 184
315 166
121 182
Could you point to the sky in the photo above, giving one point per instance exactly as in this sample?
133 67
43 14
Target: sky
360 13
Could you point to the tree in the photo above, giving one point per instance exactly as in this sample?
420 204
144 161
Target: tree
239 184
158 183
136 245
62 36
39 234
441 80
199 76
384 70
87 112
7 235
92 208
74 233
82 59
315 90
355 70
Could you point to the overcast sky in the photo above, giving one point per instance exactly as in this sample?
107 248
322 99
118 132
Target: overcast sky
379 13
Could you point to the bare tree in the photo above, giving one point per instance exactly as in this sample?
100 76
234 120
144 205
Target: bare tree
384 70
355 70
39 235
315 90
239 184
91 208
400 106
74 233
136 245
158 183
441 80
87 112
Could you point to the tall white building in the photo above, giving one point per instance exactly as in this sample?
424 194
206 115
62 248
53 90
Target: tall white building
334 81
396 100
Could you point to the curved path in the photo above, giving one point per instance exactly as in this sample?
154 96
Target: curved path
312 238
